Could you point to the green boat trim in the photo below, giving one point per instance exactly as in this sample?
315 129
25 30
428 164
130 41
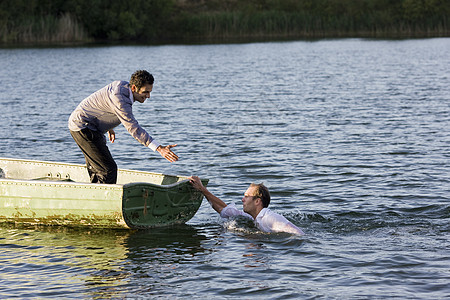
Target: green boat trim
54 193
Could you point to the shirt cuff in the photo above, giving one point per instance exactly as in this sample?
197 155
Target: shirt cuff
153 145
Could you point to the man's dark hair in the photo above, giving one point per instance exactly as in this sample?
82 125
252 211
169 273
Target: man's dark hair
262 192
141 78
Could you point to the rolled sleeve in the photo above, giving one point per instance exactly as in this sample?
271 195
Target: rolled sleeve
154 145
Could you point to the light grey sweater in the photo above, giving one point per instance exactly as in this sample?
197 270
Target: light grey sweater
107 108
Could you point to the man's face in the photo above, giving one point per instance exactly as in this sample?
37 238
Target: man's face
143 93
248 201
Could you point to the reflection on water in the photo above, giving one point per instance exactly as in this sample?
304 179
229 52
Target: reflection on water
70 257
100 260
255 258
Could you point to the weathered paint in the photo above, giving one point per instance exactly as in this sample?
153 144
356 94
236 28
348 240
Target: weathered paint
59 201
144 204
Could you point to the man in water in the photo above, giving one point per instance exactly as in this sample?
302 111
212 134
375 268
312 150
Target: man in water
101 112
255 202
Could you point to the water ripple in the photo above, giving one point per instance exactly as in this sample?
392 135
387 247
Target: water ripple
351 136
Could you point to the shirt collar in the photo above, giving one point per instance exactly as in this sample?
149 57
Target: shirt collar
262 213
131 95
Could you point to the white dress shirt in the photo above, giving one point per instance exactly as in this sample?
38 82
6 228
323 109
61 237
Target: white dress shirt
266 220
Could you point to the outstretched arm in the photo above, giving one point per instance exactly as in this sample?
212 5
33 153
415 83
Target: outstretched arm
215 202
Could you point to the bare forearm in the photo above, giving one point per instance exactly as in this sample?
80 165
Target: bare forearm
215 202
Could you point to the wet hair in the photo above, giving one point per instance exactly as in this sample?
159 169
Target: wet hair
261 191
141 78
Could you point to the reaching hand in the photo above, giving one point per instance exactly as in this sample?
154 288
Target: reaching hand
196 183
111 135
167 153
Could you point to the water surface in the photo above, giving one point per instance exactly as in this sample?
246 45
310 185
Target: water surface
351 137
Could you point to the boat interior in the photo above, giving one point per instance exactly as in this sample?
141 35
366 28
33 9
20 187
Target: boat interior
55 171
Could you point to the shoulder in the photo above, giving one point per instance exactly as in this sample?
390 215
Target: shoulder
274 222
120 91
231 211
121 88
270 216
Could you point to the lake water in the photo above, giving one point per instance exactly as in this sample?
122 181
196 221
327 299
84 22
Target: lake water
351 136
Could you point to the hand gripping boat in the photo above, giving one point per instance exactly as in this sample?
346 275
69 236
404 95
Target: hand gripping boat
51 193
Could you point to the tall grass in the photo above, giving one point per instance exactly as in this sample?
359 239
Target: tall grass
45 30
302 24
69 21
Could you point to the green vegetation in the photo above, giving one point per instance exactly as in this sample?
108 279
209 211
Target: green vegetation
71 21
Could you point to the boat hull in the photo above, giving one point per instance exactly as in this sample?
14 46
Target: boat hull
140 200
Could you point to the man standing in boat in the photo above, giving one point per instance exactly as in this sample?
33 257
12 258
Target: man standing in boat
255 203
99 113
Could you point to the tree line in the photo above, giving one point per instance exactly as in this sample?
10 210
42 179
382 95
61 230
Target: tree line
68 21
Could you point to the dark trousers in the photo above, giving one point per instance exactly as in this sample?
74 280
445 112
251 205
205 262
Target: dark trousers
100 164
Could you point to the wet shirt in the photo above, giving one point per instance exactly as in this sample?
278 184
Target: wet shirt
266 220
107 108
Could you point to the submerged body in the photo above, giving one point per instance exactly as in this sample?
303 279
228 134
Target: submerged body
266 220
255 203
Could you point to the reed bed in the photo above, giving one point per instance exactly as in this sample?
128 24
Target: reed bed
301 24
72 21
45 30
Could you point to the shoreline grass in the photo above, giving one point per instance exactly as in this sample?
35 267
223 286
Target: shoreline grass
46 30
301 25
104 21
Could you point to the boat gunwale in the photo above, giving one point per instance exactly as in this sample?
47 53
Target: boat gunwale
84 166
92 185
180 178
